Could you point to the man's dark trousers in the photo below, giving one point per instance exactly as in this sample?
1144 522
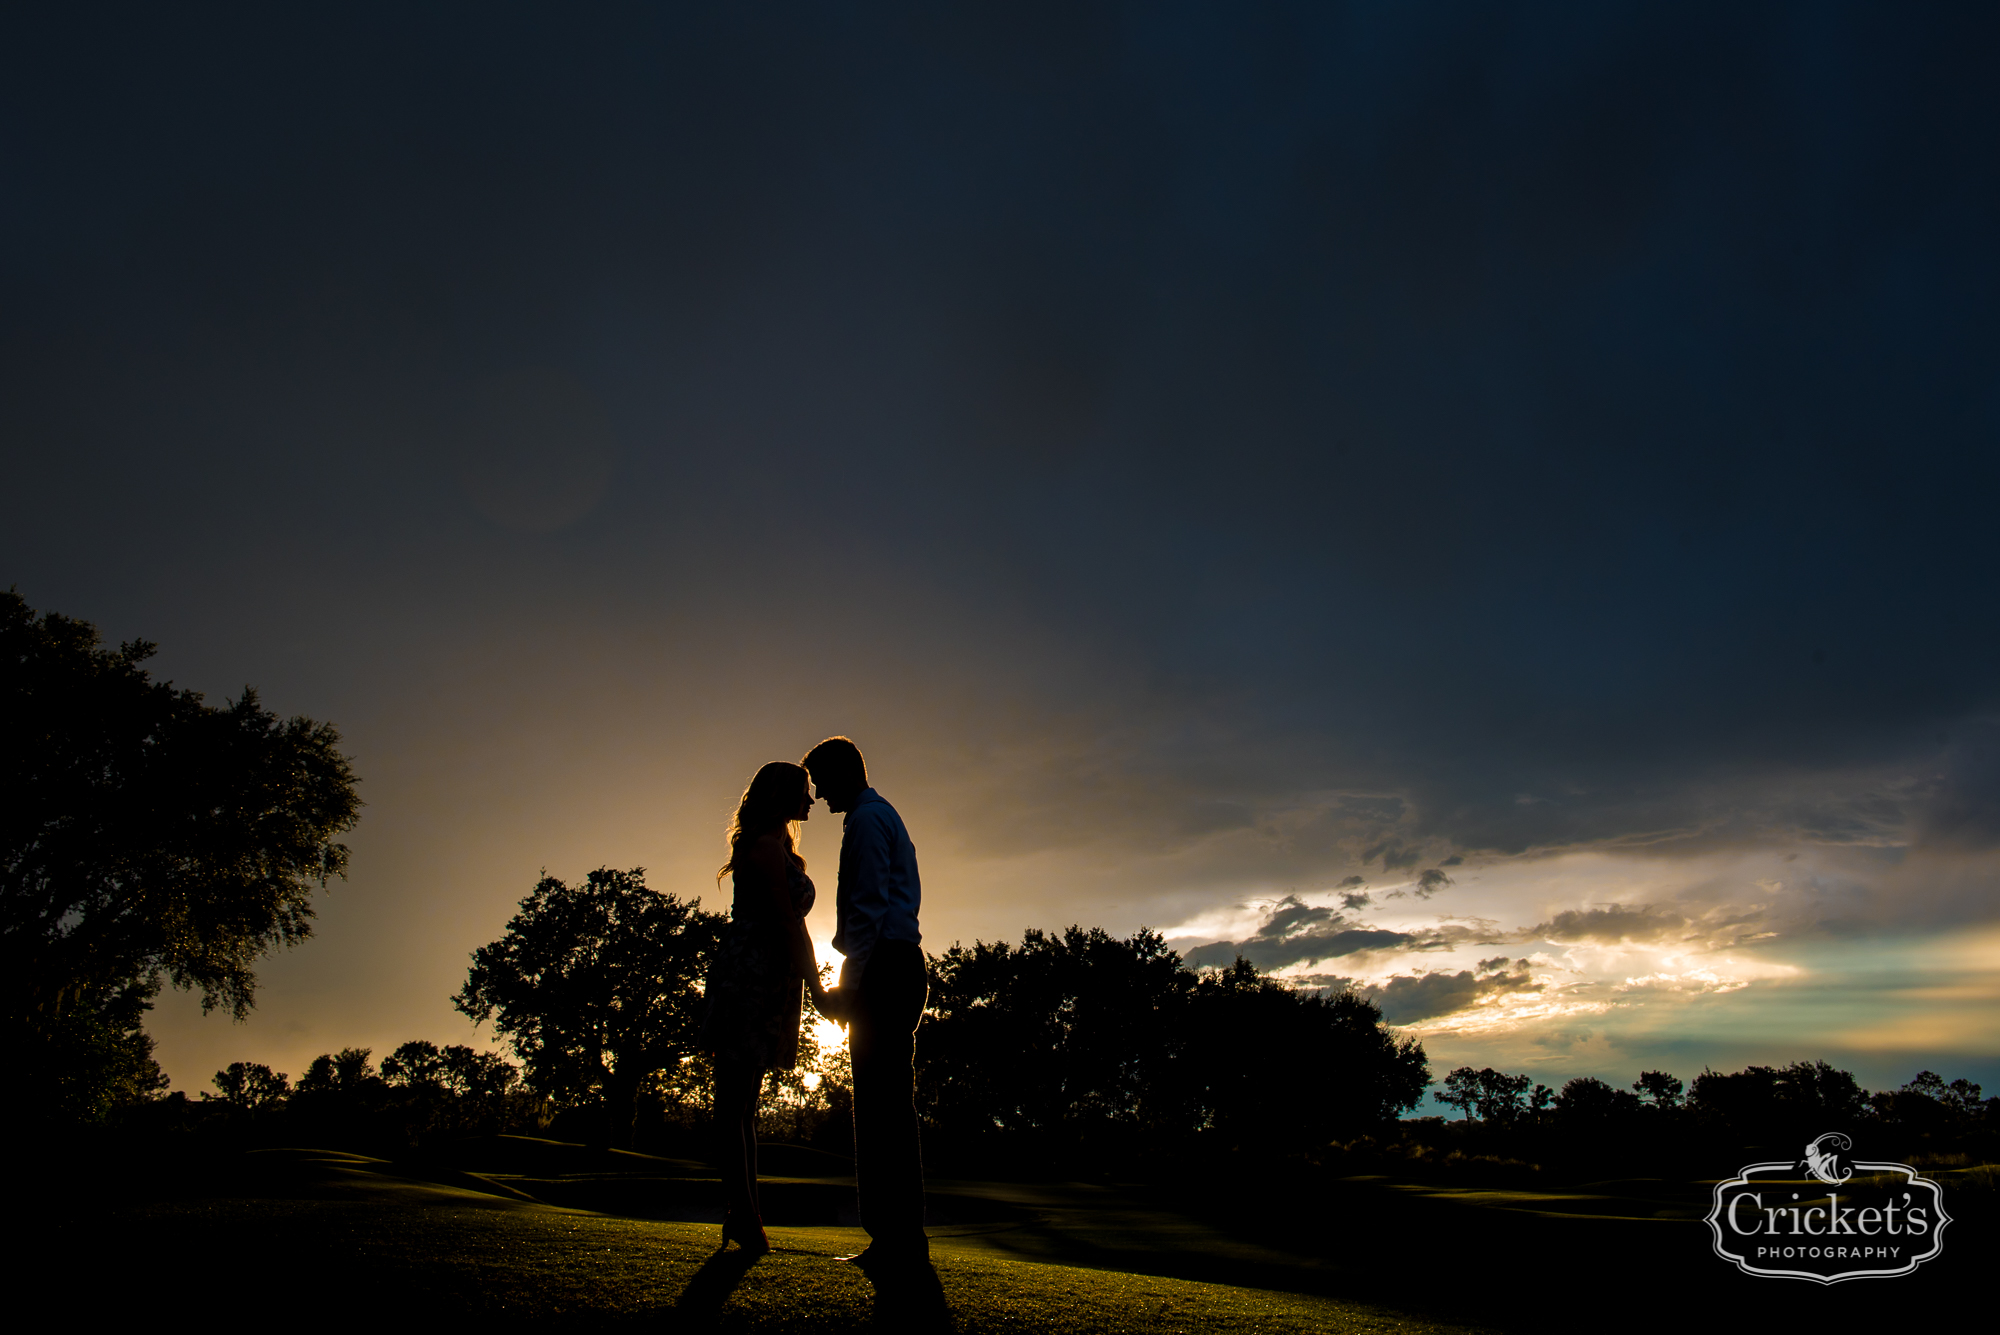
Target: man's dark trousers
888 1164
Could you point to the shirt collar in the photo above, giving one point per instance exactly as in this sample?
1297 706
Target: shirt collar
867 795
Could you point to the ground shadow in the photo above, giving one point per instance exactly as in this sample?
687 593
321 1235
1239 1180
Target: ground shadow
701 1301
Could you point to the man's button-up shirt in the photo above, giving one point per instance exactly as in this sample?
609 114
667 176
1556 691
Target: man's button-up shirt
879 893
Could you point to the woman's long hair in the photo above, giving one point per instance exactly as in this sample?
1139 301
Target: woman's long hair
768 804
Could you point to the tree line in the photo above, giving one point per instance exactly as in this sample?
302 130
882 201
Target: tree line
1071 1048
1703 1125
1072 1051
421 1093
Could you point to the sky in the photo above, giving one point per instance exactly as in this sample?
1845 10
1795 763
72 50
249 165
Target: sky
1486 505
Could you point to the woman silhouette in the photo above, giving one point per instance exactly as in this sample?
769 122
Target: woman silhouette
752 1025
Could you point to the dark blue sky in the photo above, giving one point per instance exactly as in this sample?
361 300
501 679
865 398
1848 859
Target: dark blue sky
1204 452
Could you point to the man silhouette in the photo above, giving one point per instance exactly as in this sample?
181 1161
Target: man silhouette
881 996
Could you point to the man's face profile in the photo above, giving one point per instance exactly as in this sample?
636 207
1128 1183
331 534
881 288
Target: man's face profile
838 797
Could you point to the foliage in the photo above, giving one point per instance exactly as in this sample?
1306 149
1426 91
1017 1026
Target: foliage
142 830
1659 1089
423 1093
90 1058
1931 1111
598 986
348 1071
1589 1103
1960 1097
457 1070
143 834
1489 1095
1070 1038
1595 1129
1283 1069
249 1085
1778 1105
1083 1047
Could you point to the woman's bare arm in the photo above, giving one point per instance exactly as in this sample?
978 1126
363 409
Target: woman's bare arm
768 861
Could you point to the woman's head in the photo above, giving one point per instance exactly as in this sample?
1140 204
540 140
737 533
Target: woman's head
778 795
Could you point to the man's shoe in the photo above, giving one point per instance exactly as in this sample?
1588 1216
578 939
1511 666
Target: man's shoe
746 1231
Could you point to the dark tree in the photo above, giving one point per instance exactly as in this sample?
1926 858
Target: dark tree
416 1065
1777 1106
1502 1097
472 1074
143 834
1960 1098
1589 1104
1659 1089
452 1091
1058 1044
1460 1090
1286 1070
1928 1109
1492 1096
598 986
93 1054
1085 1050
249 1086
348 1071
454 1069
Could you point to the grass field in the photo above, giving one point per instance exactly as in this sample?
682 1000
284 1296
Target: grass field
344 1237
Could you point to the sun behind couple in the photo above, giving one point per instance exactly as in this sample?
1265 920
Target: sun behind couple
765 963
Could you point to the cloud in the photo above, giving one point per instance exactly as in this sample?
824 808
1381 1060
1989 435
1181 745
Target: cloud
1961 812
1109 636
1430 882
1694 982
1410 998
1609 925
1294 932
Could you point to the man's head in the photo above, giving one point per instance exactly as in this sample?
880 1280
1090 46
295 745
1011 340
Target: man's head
838 773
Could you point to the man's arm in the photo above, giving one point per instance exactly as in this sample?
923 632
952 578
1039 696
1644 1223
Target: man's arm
866 869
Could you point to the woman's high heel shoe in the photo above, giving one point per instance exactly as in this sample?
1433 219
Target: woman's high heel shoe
746 1231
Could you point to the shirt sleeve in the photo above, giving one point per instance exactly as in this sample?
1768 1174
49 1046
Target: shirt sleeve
868 862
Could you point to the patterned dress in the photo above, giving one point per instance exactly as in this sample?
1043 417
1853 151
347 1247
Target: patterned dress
755 995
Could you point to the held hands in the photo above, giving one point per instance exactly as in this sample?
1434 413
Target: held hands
830 1002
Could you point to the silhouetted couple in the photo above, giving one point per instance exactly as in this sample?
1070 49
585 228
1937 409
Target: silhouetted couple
754 990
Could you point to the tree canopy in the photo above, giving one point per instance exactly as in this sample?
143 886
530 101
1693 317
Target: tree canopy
598 986
144 833
1490 1095
1079 1046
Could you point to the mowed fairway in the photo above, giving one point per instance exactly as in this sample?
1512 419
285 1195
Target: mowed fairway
323 1236
403 1258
